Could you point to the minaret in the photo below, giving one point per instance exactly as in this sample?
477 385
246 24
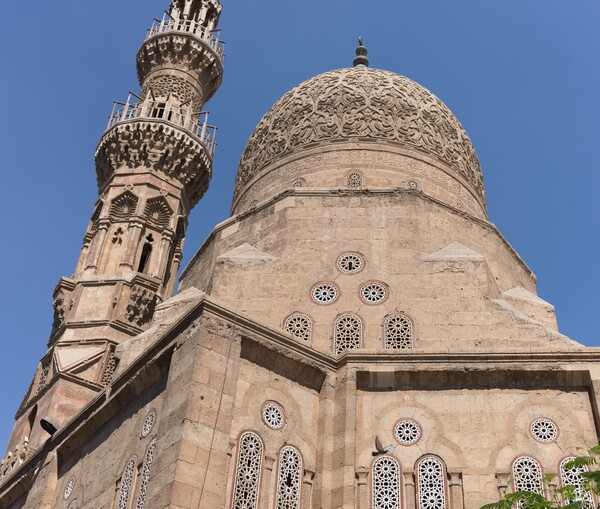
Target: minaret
153 164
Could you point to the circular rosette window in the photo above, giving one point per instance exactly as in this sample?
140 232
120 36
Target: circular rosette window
373 292
350 263
407 432
544 430
273 415
324 293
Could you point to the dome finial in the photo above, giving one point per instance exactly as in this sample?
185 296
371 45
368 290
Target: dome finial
361 54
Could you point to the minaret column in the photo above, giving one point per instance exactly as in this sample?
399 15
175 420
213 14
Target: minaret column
133 241
97 245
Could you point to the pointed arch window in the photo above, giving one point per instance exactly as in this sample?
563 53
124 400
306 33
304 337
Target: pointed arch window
398 332
146 470
347 333
127 481
527 476
289 478
431 483
385 483
572 477
248 471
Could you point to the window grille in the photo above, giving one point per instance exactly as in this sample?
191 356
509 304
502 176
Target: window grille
398 332
350 263
527 476
347 334
146 470
544 430
373 292
354 180
273 415
431 482
289 479
385 483
572 477
324 293
127 480
299 325
407 432
248 472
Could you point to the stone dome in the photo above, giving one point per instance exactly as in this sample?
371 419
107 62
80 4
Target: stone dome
364 105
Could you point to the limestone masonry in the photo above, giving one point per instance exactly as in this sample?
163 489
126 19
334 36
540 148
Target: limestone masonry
356 335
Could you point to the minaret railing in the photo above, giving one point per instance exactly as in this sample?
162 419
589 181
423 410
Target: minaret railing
195 28
182 116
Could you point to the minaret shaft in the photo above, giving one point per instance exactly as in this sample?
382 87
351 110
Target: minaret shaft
154 162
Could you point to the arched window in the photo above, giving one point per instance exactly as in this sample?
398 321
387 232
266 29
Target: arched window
347 333
431 483
398 332
354 180
289 478
299 325
127 481
385 483
248 471
146 470
572 477
527 475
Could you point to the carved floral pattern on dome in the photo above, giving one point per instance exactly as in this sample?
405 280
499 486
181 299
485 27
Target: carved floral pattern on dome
365 104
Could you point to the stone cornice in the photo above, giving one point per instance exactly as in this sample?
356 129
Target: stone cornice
158 145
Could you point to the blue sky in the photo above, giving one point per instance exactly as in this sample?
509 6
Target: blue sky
521 76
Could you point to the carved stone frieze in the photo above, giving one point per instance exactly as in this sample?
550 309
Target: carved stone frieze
140 309
185 51
59 308
159 147
360 104
14 459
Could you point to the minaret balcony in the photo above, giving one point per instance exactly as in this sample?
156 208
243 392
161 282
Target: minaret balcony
162 136
195 124
194 28
183 45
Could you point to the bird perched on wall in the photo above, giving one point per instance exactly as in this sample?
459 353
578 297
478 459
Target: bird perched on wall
380 449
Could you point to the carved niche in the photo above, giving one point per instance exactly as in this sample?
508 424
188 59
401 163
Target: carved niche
360 104
141 306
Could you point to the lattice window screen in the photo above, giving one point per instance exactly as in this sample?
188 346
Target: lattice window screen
385 485
398 332
572 477
248 472
146 470
127 480
431 481
347 333
289 479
